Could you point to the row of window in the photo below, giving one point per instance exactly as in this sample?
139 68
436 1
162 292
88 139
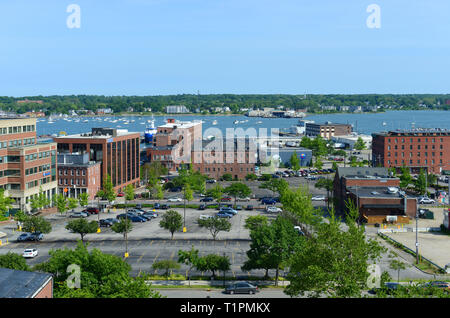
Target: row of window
418 161
40 182
418 147
34 170
17 129
72 181
433 140
72 172
224 169
40 155
17 143
411 154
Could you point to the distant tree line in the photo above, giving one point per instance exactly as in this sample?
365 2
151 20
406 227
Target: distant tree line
208 103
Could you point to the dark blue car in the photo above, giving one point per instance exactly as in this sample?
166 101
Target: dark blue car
268 201
223 214
136 218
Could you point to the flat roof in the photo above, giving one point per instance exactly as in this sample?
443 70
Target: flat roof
21 284
180 124
374 192
89 135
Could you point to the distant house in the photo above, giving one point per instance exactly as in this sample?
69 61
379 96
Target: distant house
26 101
104 111
23 284
176 109
35 114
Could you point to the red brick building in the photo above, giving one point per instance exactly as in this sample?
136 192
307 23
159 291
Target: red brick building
327 130
374 192
418 149
225 156
26 165
78 175
172 143
117 150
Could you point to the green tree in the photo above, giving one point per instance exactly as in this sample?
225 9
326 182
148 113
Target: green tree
318 164
61 203
129 192
39 201
405 177
227 177
238 190
82 227
72 203
360 144
84 199
171 221
420 184
398 266
124 226
254 221
14 261
213 263
102 275
334 262
107 192
37 224
295 162
166 265
275 185
5 202
215 192
215 225
251 177
189 258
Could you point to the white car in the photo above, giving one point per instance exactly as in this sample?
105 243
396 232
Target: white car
243 199
205 217
30 252
318 198
273 209
175 200
426 201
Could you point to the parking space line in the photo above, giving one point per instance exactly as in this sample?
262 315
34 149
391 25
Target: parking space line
156 257
172 255
140 257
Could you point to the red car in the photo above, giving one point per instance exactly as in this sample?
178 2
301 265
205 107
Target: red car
91 210
120 194
225 199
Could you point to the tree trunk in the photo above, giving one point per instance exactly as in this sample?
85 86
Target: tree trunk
276 276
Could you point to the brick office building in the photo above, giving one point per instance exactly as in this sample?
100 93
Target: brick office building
26 165
117 150
78 175
173 142
374 192
225 156
327 130
417 149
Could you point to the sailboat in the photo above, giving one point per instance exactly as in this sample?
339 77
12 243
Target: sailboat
214 122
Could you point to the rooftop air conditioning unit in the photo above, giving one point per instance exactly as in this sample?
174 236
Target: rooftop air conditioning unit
392 190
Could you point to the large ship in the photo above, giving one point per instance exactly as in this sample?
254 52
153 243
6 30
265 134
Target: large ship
150 131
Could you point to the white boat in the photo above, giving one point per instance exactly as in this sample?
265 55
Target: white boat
214 122
259 122
236 122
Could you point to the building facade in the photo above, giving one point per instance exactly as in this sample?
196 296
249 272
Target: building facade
173 142
78 175
225 156
26 165
327 130
117 150
417 149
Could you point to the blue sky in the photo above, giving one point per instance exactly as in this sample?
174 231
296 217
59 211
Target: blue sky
160 47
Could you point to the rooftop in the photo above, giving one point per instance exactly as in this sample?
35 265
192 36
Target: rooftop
21 284
375 192
414 131
100 133
364 172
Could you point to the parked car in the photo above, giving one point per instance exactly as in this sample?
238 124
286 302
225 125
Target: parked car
175 200
318 198
310 177
206 199
165 206
24 237
211 181
79 215
268 201
136 218
437 284
91 210
426 200
30 253
249 207
36 236
126 215
120 194
243 199
205 217
273 209
107 222
238 207
157 206
228 210
202 207
153 215
223 214
225 199
241 288
175 189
